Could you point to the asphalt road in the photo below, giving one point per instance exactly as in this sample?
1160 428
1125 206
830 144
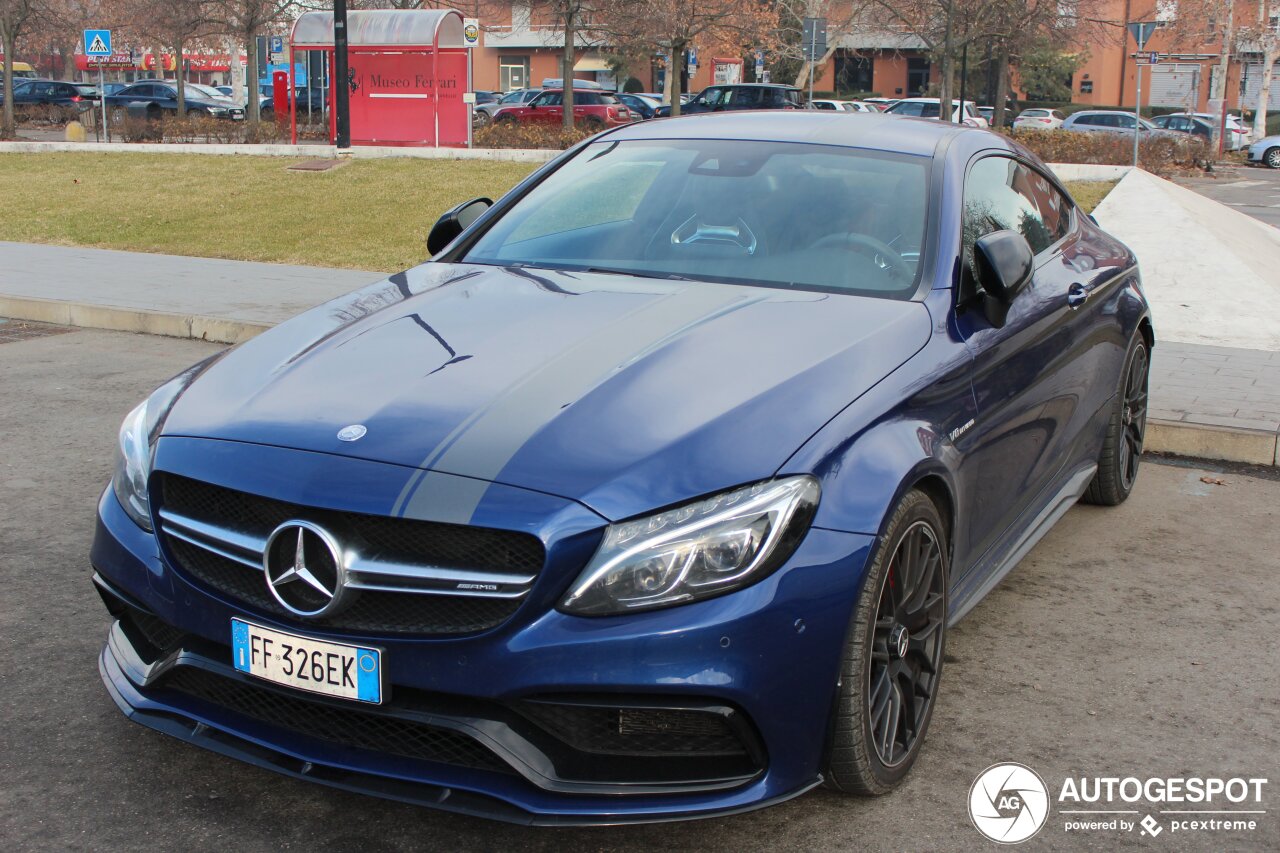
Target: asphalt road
1137 641
1252 190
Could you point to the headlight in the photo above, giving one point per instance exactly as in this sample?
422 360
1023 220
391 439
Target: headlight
136 448
696 551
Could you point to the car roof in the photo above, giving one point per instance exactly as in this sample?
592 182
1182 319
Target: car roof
876 131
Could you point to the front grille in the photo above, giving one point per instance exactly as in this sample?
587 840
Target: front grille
637 731
228 561
346 726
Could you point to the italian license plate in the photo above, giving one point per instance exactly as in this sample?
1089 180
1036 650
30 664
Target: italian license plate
318 666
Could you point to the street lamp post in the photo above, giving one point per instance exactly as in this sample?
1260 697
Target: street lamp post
342 94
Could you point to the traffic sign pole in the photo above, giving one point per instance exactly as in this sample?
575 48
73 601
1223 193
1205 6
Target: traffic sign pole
98 43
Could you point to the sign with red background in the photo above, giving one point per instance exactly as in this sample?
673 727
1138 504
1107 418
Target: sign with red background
393 98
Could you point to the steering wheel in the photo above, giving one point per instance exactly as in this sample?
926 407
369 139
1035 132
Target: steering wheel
868 245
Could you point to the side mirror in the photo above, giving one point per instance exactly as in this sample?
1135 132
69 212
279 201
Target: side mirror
454 222
1003 262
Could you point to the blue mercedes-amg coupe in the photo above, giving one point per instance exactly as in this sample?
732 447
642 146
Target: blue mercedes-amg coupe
652 495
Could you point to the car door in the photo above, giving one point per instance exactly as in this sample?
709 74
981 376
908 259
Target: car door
707 101
550 108
1036 377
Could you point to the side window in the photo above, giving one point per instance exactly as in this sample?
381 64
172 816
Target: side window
929 110
713 97
908 108
586 99
744 97
547 99
1002 194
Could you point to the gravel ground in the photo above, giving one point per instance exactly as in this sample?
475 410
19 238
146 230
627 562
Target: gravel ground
1137 641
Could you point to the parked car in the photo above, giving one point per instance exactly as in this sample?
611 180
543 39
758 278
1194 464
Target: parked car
652 495
112 88
226 91
931 108
1266 151
1185 124
740 96
989 113
37 92
641 107
1237 134
1036 118
829 105
157 97
592 108
21 71
303 96
558 83
882 103
864 106
1108 121
484 112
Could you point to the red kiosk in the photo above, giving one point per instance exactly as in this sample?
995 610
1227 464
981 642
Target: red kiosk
407 72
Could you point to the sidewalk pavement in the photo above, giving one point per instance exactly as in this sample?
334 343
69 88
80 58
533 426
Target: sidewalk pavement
1209 398
1212 275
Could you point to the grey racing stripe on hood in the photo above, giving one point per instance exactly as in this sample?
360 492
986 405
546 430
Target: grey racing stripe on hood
486 441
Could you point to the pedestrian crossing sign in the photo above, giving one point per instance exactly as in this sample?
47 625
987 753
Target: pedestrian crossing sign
97 42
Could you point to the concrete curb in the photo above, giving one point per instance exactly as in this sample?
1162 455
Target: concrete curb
372 152
1229 444
118 319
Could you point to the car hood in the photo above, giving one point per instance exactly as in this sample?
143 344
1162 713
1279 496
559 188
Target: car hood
622 393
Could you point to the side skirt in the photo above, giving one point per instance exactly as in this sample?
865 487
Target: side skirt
983 579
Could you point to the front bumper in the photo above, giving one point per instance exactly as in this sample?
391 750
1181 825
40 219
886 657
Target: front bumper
765 659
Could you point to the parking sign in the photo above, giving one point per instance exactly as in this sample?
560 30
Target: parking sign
97 42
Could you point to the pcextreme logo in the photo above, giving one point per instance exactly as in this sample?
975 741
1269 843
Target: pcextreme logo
1009 803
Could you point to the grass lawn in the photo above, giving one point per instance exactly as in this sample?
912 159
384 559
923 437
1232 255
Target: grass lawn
1089 193
367 214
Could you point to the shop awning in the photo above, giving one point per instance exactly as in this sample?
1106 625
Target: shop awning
591 63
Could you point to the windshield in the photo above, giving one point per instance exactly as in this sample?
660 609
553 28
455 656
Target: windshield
766 213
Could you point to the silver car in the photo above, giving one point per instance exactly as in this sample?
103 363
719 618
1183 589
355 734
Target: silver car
1109 121
1266 151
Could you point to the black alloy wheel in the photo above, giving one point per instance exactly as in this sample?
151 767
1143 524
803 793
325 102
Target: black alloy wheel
1133 417
1121 454
893 655
906 651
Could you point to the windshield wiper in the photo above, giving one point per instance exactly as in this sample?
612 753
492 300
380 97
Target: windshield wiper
639 274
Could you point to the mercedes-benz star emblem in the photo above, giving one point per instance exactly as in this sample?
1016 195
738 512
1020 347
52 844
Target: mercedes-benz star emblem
355 432
304 569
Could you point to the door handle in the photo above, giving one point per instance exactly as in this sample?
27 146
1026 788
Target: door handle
1078 294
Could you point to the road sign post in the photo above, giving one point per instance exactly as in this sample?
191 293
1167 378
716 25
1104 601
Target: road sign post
814 39
1141 31
98 43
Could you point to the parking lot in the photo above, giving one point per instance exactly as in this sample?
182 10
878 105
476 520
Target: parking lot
1136 641
1253 191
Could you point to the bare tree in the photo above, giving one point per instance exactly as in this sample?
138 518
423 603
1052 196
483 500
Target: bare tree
1263 35
176 24
246 19
15 17
677 25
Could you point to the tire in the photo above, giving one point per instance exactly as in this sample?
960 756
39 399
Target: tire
857 761
483 118
506 120
1122 446
1271 157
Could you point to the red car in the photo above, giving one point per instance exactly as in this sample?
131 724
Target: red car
601 109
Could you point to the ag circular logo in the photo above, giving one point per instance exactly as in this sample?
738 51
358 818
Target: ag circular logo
1008 803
